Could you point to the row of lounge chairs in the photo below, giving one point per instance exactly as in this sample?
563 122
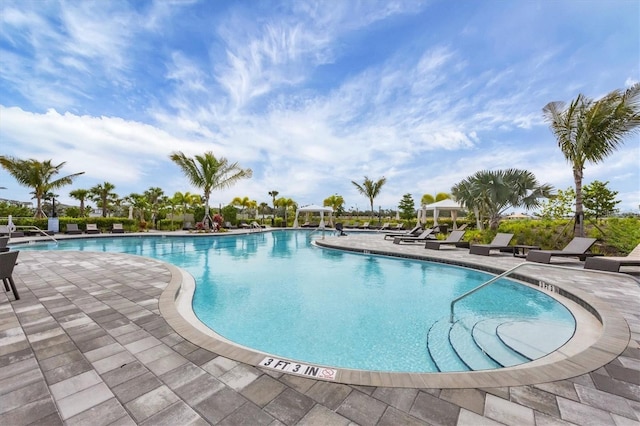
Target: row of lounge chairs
92 228
578 247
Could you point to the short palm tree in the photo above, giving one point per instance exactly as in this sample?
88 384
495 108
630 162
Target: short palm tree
80 195
103 194
491 192
154 197
286 203
209 173
336 202
370 189
37 175
242 202
588 131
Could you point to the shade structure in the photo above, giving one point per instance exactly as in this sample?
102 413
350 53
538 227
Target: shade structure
314 208
444 205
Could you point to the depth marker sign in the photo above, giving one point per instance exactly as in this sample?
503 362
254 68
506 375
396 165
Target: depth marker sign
301 369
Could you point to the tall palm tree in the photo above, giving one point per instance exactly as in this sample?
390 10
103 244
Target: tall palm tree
80 195
37 175
491 192
274 194
208 173
103 194
370 189
590 130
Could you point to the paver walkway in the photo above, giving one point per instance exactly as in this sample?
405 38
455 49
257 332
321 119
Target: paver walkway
86 344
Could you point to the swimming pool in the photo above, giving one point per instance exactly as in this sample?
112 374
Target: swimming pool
277 293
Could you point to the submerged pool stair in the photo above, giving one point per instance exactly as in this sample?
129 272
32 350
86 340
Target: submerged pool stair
471 343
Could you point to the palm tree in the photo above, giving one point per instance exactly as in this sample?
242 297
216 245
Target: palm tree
370 189
241 202
80 195
491 192
274 194
588 131
336 202
37 175
140 204
102 194
427 199
286 203
154 197
208 173
262 208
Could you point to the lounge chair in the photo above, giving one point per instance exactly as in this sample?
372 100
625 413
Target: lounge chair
612 263
501 241
7 263
228 225
454 238
365 226
92 228
3 244
576 248
426 234
117 228
72 228
4 230
399 227
384 226
414 232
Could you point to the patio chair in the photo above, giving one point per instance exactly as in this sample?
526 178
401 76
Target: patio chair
7 263
3 244
92 228
613 263
365 226
4 230
72 228
454 238
384 226
426 234
414 232
117 228
578 247
501 241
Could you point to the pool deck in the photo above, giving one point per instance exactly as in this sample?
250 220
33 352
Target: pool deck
87 343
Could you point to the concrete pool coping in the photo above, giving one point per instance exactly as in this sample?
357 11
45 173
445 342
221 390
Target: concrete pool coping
590 348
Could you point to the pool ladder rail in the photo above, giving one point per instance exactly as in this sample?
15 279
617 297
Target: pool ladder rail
506 273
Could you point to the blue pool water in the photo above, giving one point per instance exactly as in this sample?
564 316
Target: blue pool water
277 293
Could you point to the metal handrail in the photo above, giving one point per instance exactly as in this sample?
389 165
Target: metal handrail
496 278
35 228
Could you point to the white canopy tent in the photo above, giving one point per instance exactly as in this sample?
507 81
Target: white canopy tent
313 208
439 206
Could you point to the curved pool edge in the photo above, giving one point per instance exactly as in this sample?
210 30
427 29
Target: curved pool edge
572 359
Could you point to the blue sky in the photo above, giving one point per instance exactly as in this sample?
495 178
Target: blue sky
309 95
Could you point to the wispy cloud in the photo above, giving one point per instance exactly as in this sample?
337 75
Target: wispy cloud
310 95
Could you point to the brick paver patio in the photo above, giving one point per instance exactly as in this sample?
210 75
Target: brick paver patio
86 344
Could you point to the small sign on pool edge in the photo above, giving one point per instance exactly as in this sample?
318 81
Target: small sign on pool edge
301 369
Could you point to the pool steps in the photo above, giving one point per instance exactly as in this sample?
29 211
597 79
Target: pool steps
485 335
477 343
